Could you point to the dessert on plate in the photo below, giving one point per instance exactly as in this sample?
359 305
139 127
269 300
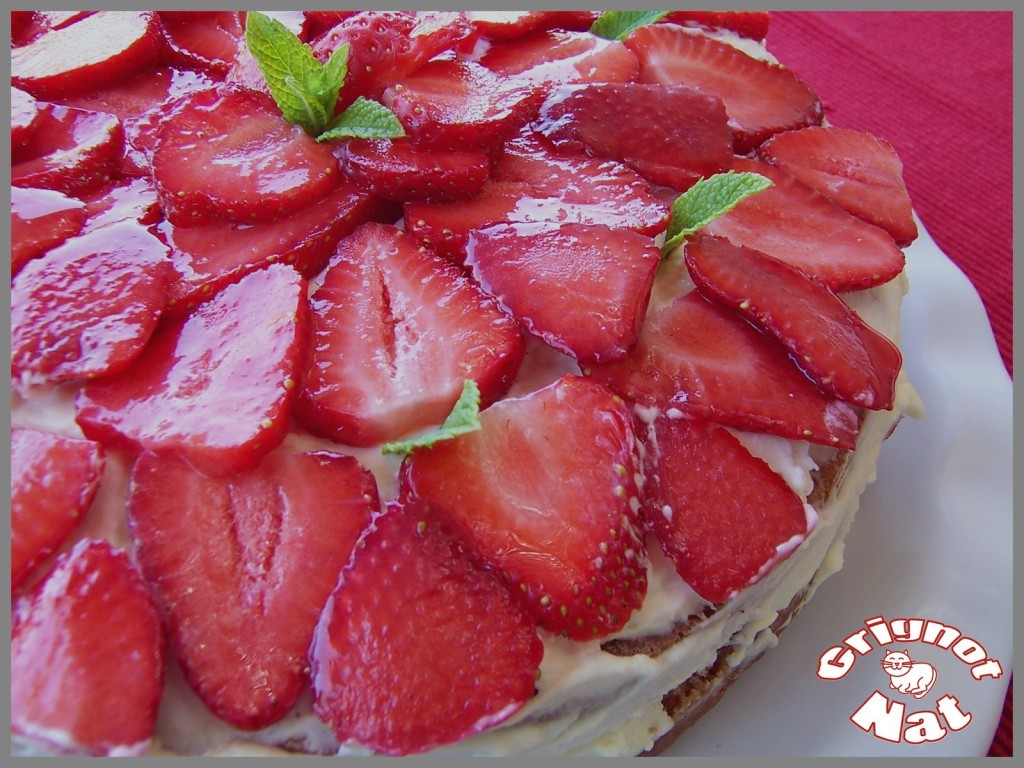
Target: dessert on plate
401 382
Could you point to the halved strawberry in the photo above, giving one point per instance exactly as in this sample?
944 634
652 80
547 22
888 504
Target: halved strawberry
53 481
88 307
240 568
207 41
551 57
828 341
398 170
860 173
795 224
418 646
704 360
760 98
505 25
40 220
96 51
533 183
527 268
454 105
209 257
669 134
546 493
242 347
396 332
25 112
750 24
70 150
721 515
87 657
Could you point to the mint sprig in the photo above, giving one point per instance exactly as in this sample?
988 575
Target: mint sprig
464 418
306 90
618 25
708 199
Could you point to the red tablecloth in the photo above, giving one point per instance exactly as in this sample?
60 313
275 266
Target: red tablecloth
938 86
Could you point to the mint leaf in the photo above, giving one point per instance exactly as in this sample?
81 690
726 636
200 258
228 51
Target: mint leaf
617 25
463 418
364 119
294 76
708 199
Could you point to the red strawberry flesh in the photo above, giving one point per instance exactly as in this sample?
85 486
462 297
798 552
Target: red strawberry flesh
40 220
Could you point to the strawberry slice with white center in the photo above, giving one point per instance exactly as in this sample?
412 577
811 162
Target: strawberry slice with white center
70 150
95 51
227 153
53 481
40 220
454 105
208 41
87 657
528 266
553 57
88 307
704 360
241 567
669 134
399 170
760 98
209 257
241 347
721 515
396 332
546 492
795 224
418 646
533 183
860 173
835 348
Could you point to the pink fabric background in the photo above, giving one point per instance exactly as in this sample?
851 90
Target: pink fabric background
938 86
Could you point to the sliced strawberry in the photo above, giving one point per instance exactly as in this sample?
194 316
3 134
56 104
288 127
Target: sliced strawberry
750 24
25 113
88 307
669 134
551 57
386 46
241 347
71 150
40 220
125 200
454 105
214 255
98 50
207 41
531 183
398 170
87 657
795 224
721 515
418 646
505 25
53 481
860 173
760 98
318 22
240 590
527 267
835 348
396 332
227 153
704 360
546 493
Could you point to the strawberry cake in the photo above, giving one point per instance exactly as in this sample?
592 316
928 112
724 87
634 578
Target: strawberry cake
393 383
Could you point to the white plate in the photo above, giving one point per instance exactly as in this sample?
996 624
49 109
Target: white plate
932 540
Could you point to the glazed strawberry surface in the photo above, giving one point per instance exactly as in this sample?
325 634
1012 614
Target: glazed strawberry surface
274 307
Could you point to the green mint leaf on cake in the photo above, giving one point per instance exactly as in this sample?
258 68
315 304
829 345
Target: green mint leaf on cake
306 90
617 25
708 199
364 119
465 417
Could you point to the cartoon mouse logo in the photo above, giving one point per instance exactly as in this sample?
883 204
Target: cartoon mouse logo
908 676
